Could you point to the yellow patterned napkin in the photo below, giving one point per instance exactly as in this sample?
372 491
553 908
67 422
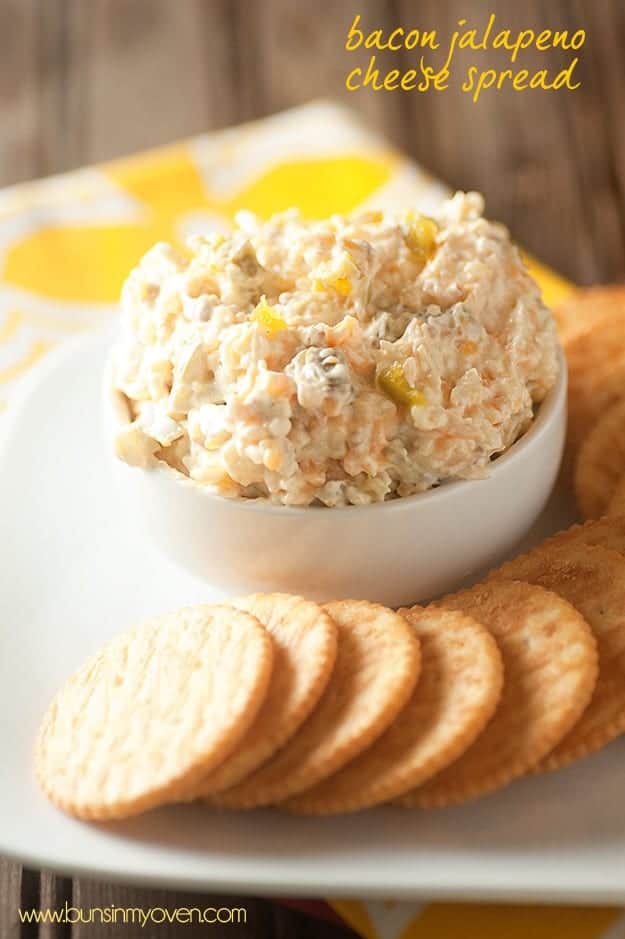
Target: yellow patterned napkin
66 245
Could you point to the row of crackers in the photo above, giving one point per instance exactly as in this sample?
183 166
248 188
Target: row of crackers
275 700
592 328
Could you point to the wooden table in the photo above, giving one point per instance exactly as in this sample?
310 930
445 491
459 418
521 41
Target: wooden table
85 80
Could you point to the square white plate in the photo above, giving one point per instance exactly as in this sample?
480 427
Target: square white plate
73 573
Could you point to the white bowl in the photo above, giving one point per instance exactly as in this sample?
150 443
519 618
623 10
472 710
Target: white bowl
396 552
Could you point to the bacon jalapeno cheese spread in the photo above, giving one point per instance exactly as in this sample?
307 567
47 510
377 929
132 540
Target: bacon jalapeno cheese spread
337 362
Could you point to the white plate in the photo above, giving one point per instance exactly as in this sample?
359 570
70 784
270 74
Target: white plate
73 574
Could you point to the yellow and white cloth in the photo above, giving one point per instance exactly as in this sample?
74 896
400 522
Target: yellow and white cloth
66 245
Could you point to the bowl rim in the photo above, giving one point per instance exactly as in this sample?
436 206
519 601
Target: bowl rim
548 410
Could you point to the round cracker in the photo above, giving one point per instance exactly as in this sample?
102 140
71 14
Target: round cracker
153 711
304 645
583 308
376 669
601 462
457 693
592 578
550 665
606 532
616 505
596 377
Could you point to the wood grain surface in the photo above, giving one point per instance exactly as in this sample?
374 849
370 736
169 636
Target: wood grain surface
86 80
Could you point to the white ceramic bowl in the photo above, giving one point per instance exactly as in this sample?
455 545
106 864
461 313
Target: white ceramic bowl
396 552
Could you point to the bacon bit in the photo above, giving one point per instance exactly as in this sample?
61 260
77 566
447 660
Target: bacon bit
279 385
